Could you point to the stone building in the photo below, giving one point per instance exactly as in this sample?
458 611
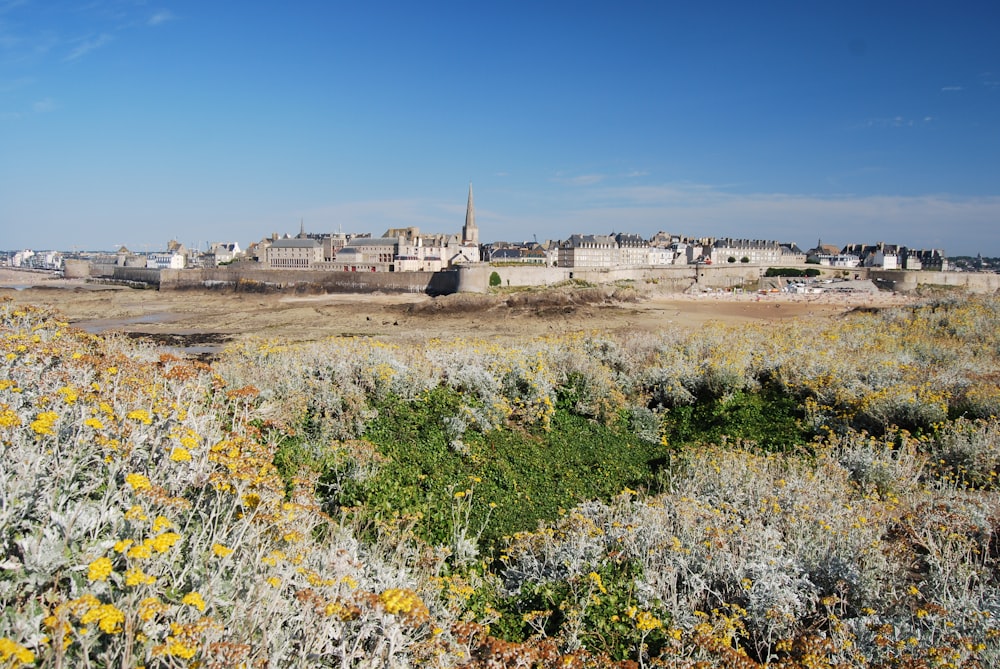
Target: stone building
754 251
293 254
588 251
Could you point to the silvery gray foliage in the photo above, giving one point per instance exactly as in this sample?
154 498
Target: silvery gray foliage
787 542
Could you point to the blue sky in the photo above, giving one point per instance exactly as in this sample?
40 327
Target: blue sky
131 122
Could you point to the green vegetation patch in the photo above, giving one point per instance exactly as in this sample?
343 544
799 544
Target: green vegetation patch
487 487
499 483
769 419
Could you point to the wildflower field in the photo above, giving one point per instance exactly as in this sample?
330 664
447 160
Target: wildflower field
803 495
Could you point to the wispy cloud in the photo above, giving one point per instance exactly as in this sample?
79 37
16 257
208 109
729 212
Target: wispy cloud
950 89
19 47
88 45
595 178
15 84
896 122
989 80
43 106
7 5
160 17
579 180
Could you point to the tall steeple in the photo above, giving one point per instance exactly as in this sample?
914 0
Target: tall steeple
470 233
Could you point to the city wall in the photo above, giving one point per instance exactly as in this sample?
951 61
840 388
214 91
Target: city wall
137 275
476 278
901 280
673 279
265 280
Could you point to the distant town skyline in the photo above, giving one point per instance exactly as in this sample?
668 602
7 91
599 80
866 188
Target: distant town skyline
130 123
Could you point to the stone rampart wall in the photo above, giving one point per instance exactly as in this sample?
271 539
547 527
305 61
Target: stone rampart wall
902 280
253 279
475 278
674 278
137 275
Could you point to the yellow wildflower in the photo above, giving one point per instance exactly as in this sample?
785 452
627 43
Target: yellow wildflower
595 578
9 418
194 599
140 415
161 523
400 600
180 649
107 617
94 423
273 558
44 422
162 542
180 454
138 482
100 569
646 622
221 551
136 576
11 650
140 551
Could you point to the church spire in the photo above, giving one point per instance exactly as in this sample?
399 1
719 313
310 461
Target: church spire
470 233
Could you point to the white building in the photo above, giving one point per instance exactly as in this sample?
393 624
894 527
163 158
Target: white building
165 260
224 251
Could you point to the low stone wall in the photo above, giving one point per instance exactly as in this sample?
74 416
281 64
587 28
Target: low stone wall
475 278
137 275
906 281
674 278
306 281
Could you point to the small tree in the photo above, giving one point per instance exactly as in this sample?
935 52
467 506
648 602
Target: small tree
731 259
744 260
494 280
